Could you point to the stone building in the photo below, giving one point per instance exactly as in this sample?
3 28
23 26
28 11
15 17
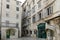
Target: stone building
41 18
10 19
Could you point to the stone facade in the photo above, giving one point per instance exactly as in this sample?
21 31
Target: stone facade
42 11
10 18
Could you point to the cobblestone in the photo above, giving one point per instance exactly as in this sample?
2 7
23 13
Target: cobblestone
27 38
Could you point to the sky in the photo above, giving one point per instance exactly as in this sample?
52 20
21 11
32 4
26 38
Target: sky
22 1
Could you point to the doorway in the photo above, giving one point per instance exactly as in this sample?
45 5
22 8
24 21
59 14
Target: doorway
10 32
41 31
50 34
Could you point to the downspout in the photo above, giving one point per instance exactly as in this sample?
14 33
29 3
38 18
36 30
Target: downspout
0 15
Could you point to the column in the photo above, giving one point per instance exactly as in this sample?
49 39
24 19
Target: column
28 32
48 35
32 33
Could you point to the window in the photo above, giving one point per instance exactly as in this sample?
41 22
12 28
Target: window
39 4
7 22
29 13
30 32
8 0
24 10
17 8
35 31
12 32
17 16
33 19
29 20
17 2
27 3
29 6
51 33
27 32
33 1
50 10
7 6
33 9
40 16
7 15
17 24
48 22
46 0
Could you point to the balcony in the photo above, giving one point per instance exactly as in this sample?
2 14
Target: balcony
51 27
12 25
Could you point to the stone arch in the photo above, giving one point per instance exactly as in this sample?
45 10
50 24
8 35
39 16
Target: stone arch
50 34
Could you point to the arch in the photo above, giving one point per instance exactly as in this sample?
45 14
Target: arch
49 29
10 32
50 34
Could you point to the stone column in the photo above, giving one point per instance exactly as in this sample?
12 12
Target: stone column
32 33
58 28
28 32
58 33
48 35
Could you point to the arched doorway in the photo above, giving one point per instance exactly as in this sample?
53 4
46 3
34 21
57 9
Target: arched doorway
50 34
10 32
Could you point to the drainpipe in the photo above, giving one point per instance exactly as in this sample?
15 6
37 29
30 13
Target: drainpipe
0 15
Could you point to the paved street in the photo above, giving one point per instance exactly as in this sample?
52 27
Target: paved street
27 38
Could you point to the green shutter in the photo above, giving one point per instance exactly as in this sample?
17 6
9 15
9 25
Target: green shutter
8 34
41 30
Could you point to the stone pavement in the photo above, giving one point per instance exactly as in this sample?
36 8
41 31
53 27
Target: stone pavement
27 38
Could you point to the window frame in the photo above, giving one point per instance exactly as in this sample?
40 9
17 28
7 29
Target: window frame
17 8
17 16
34 19
8 0
33 9
39 3
7 6
50 10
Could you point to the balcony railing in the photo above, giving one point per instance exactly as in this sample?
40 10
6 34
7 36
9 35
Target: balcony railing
3 24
